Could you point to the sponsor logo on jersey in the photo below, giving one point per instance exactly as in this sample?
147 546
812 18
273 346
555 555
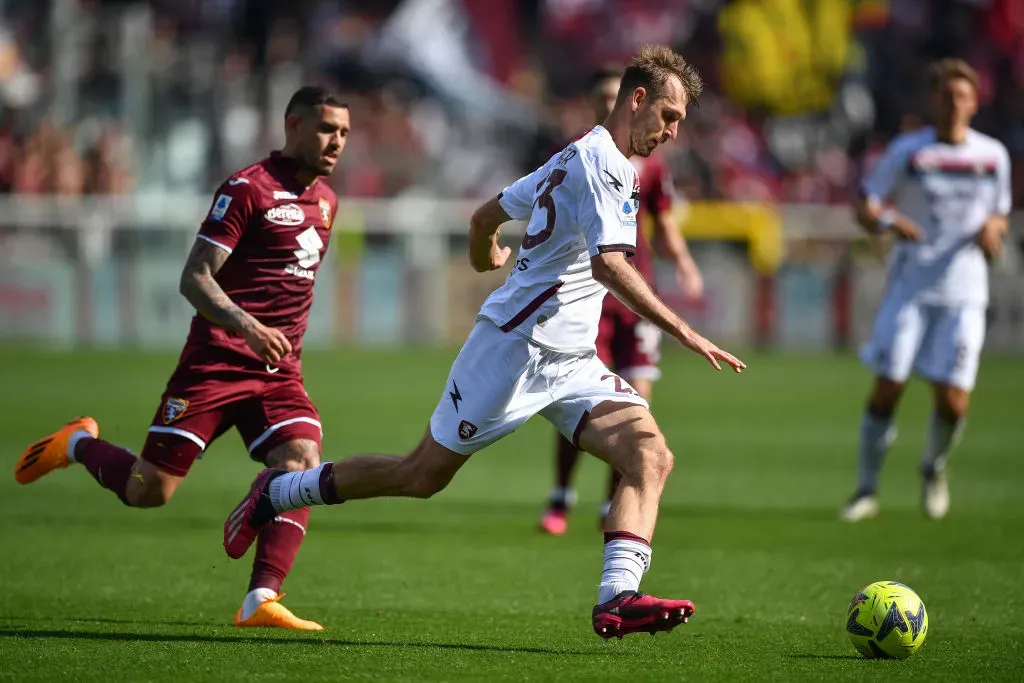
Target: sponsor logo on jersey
220 207
325 212
308 254
173 409
286 214
466 430
281 194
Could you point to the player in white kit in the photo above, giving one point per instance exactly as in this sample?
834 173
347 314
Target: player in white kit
532 348
949 188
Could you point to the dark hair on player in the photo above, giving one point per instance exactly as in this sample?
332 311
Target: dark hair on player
606 72
651 68
311 96
945 69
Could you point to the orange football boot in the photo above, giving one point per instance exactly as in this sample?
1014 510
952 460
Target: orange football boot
51 452
273 614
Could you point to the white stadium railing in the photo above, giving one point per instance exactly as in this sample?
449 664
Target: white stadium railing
104 272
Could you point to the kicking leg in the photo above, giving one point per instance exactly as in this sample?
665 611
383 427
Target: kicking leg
877 434
421 474
626 436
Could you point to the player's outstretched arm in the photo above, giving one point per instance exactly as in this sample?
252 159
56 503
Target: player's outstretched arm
613 271
202 291
484 229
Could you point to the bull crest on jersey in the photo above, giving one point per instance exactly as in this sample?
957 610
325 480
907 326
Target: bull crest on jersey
325 212
173 409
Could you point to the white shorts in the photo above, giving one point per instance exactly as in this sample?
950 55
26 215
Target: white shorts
943 343
501 379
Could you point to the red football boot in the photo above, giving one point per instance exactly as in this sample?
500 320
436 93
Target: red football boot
246 520
634 612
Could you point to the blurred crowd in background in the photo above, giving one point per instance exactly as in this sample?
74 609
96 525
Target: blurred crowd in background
452 98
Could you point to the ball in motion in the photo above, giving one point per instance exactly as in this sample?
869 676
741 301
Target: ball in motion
886 620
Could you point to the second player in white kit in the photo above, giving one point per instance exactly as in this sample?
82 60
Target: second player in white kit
945 193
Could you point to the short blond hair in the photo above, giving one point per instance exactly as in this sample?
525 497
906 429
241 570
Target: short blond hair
651 69
946 69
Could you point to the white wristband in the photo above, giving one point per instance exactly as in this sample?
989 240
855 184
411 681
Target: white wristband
886 220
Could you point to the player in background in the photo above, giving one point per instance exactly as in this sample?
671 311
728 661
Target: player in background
627 343
944 194
532 348
250 277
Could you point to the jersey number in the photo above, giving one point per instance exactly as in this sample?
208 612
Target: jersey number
547 202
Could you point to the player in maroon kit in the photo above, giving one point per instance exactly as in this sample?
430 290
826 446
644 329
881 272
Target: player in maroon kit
250 277
627 343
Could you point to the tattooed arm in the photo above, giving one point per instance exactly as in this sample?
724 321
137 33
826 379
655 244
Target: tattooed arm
201 290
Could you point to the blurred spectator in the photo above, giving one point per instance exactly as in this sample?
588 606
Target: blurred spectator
802 93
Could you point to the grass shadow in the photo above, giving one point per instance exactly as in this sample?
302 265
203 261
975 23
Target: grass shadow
805 655
310 640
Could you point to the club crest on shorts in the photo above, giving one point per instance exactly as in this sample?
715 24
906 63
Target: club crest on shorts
466 430
173 409
325 212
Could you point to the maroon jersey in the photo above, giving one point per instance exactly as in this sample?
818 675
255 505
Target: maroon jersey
276 231
656 196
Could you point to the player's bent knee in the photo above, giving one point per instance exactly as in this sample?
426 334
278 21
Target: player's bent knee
951 403
295 456
885 397
656 459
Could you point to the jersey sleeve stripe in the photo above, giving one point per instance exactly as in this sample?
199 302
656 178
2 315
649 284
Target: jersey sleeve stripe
531 307
214 243
627 248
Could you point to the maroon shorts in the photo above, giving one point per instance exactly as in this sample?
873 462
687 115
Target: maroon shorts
628 344
197 408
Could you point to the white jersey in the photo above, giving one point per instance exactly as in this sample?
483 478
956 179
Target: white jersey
949 191
582 202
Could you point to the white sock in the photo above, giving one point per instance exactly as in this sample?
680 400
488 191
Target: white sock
625 563
294 490
942 439
73 443
876 436
563 496
255 598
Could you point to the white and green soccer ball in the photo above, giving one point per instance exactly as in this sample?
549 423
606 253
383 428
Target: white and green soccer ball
886 620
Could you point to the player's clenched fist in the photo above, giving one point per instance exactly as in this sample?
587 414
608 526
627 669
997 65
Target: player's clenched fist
268 343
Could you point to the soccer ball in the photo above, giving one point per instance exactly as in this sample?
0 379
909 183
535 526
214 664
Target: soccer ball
886 620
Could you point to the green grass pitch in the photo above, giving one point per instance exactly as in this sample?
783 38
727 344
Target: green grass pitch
463 587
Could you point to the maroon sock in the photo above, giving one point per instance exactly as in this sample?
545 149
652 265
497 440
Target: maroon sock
108 464
276 548
610 536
